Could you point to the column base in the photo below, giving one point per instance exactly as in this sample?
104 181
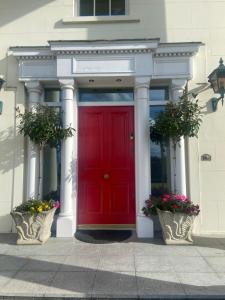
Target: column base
145 227
65 226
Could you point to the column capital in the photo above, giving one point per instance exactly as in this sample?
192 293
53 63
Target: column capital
142 82
67 83
178 84
34 87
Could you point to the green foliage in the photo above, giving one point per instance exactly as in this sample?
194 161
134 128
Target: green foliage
43 126
182 118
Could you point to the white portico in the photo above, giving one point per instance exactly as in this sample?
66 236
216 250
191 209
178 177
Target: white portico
71 64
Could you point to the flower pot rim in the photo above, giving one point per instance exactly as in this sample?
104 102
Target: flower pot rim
167 211
30 213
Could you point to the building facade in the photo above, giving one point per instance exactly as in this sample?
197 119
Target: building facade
109 67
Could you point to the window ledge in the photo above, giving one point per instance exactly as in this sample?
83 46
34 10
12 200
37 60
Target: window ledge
105 19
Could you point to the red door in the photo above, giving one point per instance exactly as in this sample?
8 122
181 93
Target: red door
106 193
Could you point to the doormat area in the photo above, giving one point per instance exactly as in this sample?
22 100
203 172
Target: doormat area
103 236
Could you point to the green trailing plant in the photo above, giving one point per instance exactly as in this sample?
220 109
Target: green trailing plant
179 119
43 126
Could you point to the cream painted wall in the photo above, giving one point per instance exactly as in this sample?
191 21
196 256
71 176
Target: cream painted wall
34 22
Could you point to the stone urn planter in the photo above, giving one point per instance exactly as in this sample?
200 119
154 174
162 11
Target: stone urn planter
33 228
176 227
176 215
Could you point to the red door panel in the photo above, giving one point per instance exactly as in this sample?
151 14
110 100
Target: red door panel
106 193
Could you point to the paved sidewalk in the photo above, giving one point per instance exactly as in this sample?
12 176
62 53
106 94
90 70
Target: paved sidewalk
132 269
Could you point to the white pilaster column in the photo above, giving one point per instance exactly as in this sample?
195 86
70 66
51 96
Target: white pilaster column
66 221
177 89
142 156
34 93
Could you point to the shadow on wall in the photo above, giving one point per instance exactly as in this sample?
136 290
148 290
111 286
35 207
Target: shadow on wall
23 7
152 23
12 155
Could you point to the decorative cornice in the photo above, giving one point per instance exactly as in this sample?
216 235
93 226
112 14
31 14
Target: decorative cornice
110 51
36 57
174 54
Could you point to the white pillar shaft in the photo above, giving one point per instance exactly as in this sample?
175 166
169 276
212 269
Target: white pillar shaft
67 155
33 167
179 168
142 146
142 155
66 220
34 92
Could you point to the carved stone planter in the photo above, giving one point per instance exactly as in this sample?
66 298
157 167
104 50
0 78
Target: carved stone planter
33 228
176 227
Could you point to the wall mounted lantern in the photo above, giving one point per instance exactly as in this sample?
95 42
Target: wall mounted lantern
217 81
2 81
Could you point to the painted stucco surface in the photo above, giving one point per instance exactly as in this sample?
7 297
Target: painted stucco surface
33 23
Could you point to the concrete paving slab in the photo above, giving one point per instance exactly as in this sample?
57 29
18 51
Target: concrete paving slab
216 263
11 263
117 249
74 284
190 264
165 250
44 263
202 284
117 263
153 264
79 263
160 284
119 284
85 249
29 284
5 277
209 251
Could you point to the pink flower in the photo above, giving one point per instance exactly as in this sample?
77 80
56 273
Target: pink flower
180 197
149 204
57 204
165 197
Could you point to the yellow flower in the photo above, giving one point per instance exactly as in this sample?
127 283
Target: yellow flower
46 206
39 209
32 209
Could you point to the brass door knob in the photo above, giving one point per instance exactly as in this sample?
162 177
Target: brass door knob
106 176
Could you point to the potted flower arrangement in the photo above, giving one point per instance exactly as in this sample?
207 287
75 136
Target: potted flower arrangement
176 212
176 215
33 220
34 217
